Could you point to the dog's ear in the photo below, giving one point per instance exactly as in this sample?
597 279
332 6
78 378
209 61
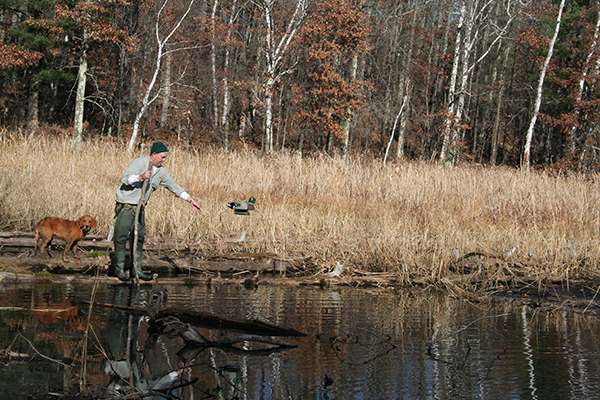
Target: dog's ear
94 222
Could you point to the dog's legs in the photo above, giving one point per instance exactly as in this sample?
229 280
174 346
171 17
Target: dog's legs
45 242
69 246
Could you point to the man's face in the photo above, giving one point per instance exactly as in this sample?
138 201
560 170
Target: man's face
157 159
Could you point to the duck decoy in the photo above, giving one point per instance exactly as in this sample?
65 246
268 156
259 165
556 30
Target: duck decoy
242 207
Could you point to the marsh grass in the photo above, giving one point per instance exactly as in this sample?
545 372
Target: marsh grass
412 219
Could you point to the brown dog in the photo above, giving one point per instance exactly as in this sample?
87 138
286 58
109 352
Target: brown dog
70 231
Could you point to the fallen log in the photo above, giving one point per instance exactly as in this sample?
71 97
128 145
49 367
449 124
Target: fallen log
205 320
89 243
18 239
166 265
20 242
210 321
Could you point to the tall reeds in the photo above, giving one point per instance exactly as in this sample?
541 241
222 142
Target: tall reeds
412 219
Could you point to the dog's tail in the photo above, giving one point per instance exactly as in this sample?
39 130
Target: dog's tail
37 240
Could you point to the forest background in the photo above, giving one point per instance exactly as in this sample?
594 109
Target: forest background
445 80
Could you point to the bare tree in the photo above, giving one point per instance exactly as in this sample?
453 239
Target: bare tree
538 99
80 97
149 97
226 88
276 51
587 68
220 122
166 88
474 16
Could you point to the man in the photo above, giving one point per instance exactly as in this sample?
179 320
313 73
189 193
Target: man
129 195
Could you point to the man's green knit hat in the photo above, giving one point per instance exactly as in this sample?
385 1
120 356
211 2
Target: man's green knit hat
158 147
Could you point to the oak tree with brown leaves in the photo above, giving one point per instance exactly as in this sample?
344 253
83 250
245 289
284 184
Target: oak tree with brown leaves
336 35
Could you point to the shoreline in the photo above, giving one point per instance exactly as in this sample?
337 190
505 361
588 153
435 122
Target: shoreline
174 263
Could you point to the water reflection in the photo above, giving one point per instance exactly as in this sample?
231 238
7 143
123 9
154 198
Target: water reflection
361 344
124 366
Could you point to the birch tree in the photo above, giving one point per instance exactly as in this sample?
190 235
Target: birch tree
80 96
213 65
161 51
166 88
221 113
276 50
589 67
540 87
474 17
86 22
226 88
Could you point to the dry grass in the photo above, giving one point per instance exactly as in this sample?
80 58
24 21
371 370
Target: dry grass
411 219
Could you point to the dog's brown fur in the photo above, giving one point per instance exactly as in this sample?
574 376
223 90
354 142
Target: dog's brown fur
70 231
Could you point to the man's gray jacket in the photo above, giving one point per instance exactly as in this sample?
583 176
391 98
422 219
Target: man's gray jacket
130 193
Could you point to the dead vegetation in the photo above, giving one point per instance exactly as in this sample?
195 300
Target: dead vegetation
466 229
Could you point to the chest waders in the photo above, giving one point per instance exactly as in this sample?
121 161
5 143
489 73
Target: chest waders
128 217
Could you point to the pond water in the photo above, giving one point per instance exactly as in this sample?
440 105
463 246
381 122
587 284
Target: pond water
359 344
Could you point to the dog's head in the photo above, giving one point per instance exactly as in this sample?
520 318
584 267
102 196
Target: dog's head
87 223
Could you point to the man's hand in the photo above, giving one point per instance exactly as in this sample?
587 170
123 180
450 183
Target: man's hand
195 206
146 175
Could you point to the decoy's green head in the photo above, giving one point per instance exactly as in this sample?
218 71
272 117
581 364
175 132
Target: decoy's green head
252 200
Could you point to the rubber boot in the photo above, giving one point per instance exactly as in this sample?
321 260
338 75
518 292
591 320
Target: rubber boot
120 265
140 273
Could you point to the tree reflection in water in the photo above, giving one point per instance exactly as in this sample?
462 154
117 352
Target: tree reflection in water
361 343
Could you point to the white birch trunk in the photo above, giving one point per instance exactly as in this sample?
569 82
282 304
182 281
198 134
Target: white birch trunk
407 85
226 94
584 75
538 99
80 97
452 89
349 111
166 89
275 54
403 122
269 115
213 66
161 43
387 150
471 21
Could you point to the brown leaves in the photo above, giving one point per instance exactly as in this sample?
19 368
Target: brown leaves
12 56
337 32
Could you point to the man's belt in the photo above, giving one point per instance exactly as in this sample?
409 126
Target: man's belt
124 206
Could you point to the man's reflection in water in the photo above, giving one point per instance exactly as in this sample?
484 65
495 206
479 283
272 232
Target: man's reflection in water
123 367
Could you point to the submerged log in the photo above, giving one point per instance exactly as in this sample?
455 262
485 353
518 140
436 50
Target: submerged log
210 321
205 320
191 350
196 343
